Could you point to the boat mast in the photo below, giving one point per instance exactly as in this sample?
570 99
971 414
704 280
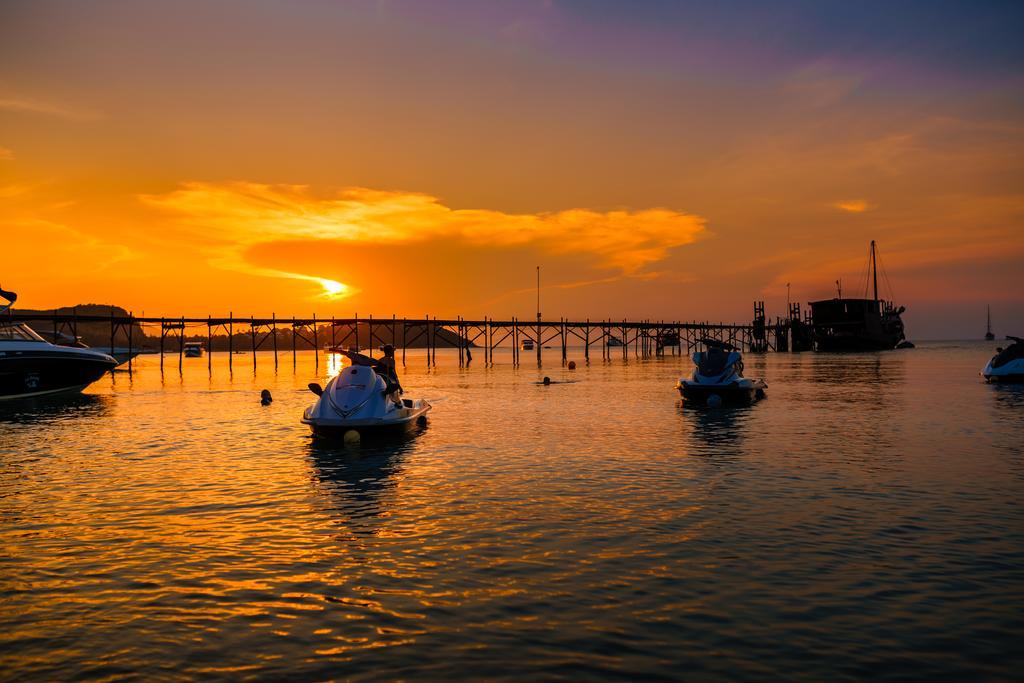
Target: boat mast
538 316
988 319
874 269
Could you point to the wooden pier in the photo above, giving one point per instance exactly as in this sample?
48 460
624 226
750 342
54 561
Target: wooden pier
605 339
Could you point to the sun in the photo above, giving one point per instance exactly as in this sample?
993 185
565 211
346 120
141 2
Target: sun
332 288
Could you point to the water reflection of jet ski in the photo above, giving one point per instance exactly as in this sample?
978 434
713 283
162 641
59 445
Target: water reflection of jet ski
362 398
1008 364
718 378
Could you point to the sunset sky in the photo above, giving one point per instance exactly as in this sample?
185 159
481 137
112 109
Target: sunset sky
659 160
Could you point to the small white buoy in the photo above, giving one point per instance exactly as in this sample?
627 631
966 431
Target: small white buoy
714 401
351 438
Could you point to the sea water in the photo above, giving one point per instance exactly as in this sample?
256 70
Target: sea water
865 520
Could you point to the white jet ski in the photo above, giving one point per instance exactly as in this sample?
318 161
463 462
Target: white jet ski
718 378
1008 364
361 399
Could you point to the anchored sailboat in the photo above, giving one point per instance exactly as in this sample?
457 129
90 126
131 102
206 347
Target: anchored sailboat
988 324
843 324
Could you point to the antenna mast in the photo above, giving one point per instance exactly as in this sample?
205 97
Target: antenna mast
874 269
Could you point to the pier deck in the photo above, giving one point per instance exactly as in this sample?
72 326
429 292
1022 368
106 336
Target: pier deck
604 338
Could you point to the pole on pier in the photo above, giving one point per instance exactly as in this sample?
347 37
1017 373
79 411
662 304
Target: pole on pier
273 332
538 317
369 332
209 345
231 341
163 335
131 326
112 328
405 334
316 344
293 343
181 343
252 330
515 342
586 342
563 341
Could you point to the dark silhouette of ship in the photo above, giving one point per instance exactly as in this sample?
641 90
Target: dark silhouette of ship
844 324
988 324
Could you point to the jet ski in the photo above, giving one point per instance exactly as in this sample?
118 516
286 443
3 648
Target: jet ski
361 398
718 378
1008 364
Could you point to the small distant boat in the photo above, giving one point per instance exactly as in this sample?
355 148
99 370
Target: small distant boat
614 341
845 324
988 324
1008 364
718 378
527 345
193 349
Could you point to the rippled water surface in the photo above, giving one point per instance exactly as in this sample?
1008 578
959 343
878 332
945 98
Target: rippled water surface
865 520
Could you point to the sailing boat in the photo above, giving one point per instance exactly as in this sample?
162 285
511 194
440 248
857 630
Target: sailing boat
988 325
858 324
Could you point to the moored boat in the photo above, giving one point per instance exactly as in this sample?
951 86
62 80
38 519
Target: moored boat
848 324
30 366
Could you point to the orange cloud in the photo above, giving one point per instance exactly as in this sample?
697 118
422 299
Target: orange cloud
6 154
234 217
853 205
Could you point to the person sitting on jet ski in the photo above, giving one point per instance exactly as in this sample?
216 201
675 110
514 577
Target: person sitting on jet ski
388 370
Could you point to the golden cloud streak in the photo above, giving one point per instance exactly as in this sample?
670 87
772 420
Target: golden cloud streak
236 216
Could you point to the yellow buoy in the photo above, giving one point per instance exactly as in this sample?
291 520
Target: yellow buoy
351 438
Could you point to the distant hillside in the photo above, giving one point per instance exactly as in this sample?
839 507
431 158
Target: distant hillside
98 333
93 333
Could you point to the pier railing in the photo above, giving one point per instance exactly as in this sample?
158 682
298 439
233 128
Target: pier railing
606 338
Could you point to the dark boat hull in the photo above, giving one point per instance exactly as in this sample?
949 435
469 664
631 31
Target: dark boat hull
1005 379
851 325
730 394
366 429
856 343
29 374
